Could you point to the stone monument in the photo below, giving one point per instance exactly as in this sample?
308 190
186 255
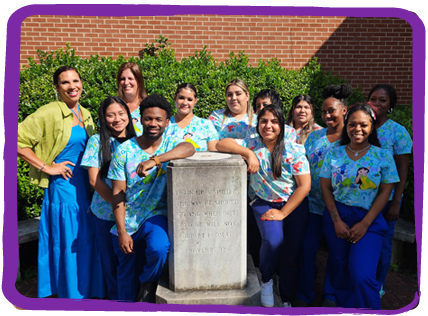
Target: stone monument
207 263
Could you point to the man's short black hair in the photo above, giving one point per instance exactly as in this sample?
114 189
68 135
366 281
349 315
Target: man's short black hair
156 101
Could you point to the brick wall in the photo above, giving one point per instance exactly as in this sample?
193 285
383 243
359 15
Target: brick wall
365 51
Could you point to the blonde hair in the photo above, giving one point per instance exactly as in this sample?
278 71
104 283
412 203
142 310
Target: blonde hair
136 71
241 84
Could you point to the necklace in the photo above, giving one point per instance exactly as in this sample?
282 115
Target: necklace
78 111
357 152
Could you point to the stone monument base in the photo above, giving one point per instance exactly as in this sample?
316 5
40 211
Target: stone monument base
249 296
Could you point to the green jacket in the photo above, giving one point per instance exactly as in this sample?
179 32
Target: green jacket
47 132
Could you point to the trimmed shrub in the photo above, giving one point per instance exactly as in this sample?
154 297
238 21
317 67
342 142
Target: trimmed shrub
162 73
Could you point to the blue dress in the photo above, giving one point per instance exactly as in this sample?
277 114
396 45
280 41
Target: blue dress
69 263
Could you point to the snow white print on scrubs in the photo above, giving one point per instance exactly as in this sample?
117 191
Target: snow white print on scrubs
360 188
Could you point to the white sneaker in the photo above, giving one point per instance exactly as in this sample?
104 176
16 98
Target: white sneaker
267 293
382 291
287 304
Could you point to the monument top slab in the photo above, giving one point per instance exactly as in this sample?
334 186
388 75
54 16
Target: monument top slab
208 158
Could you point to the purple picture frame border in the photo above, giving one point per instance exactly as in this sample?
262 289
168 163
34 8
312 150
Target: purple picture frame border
11 98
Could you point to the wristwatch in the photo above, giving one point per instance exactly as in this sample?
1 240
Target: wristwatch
157 161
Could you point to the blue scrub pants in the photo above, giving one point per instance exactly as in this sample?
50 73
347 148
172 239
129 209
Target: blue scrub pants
281 243
386 252
253 235
151 246
109 259
354 265
307 263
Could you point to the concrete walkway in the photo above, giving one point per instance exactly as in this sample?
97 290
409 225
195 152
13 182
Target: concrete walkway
400 289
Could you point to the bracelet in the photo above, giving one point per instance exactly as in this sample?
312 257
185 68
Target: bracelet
157 161
42 167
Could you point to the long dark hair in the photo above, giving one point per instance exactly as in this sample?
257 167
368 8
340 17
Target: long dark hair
308 128
371 112
278 149
105 133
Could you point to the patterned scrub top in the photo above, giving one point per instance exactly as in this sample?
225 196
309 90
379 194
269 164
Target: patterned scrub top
232 128
316 128
145 197
356 183
263 183
396 139
136 120
289 133
199 132
100 207
317 146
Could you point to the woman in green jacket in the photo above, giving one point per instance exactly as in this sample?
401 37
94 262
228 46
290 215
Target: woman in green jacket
52 140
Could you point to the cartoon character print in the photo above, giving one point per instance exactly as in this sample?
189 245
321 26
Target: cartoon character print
317 157
341 178
362 179
188 138
340 174
154 173
298 167
231 128
136 122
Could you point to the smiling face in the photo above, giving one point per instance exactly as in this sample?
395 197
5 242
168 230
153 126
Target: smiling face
128 84
332 112
237 100
69 87
268 127
302 113
261 103
116 120
154 121
185 101
380 99
359 128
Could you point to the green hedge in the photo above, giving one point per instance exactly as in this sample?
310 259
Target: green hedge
162 74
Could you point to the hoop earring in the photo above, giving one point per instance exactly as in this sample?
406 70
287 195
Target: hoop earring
56 95
390 110
84 96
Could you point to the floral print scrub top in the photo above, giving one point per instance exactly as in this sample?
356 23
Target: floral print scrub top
199 132
231 128
263 183
145 197
100 207
396 139
316 128
317 146
289 133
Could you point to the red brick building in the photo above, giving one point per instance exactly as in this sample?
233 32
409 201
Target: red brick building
364 51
